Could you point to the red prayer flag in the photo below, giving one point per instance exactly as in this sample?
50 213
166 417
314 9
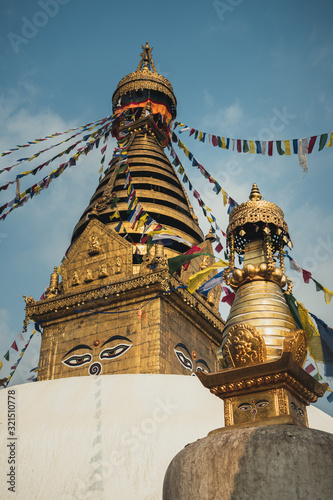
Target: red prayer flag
214 140
306 276
14 346
312 143
191 251
219 247
270 148
229 296
309 368
239 145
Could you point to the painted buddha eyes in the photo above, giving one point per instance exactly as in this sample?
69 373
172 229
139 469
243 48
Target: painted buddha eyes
78 360
185 359
248 406
114 352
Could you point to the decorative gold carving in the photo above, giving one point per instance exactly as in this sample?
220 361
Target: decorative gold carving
102 270
89 276
94 247
75 279
244 346
297 345
118 263
256 211
282 401
29 300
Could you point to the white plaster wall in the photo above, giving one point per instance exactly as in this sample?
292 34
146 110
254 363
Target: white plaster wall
107 437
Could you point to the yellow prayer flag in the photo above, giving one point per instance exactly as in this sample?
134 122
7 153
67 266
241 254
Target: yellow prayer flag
59 270
181 145
1 364
200 136
196 279
207 208
100 170
314 342
224 146
210 219
186 151
252 148
329 144
328 295
115 216
225 197
20 356
287 149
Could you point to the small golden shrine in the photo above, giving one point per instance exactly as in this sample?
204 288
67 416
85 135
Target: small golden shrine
262 351
116 308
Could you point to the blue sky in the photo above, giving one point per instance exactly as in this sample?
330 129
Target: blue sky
237 67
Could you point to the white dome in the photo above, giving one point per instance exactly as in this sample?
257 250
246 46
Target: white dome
107 437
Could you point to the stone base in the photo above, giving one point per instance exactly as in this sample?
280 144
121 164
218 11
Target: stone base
275 462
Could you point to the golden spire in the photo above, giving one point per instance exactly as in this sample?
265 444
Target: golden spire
262 351
145 78
146 63
255 193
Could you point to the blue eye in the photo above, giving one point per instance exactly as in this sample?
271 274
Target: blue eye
77 360
114 352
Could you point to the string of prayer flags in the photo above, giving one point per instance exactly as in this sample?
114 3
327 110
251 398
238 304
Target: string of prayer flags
14 367
328 294
45 182
195 163
301 147
36 141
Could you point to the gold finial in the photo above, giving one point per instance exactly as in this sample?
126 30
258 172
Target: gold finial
255 193
146 63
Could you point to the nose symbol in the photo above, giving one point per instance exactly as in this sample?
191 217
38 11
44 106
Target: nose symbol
95 369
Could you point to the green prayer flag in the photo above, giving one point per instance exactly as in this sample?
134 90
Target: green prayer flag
319 287
114 201
245 146
219 140
279 148
322 141
290 299
121 169
196 134
149 243
177 262
6 356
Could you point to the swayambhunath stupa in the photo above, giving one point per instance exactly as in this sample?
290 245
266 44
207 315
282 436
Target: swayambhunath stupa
134 308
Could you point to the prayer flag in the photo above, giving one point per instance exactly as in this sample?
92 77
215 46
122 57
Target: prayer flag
184 260
326 335
328 295
210 284
229 296
309 368
196 279
306 276
14 346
